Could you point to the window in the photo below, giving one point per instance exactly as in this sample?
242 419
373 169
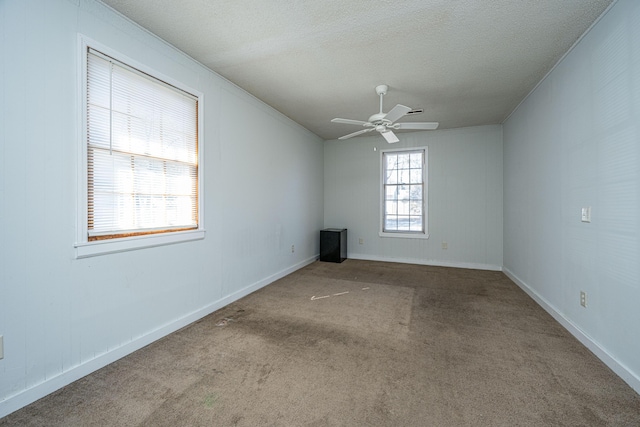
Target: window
404 193
141 157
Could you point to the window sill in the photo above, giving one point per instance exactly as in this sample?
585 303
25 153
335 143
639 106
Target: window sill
404 235
103 247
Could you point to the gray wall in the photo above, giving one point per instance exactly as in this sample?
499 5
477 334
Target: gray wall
465 197
575 142
62 317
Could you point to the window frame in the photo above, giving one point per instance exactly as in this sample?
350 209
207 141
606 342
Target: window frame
424 234
84 246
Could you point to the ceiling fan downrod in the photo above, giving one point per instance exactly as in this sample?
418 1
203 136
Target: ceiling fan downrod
382 91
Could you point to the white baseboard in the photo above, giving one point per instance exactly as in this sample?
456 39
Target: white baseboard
616 366
435 263
38 391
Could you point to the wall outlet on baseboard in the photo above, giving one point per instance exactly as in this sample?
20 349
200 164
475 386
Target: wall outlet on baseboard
583 299
293 248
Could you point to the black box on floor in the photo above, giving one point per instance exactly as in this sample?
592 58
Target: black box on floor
333 244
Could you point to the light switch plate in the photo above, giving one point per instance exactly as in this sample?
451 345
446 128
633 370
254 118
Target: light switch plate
586 214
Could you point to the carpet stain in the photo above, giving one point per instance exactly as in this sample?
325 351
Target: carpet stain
265 371
225 321
210 400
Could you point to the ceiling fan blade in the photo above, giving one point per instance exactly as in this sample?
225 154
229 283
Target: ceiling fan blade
417 125
360 132
390 136
350 122
397 112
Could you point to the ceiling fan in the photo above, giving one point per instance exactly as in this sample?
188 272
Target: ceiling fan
384 122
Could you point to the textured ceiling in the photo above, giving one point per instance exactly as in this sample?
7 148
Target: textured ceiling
465 62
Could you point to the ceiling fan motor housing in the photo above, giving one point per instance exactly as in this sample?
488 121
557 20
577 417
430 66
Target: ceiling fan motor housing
378 118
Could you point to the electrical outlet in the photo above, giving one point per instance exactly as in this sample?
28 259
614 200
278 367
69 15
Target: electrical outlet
583 299
445 245
360 241
586 214
293 248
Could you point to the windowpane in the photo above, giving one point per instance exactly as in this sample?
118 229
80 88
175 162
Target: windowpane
403 223
391 223
391 162
403 161
416 176
392 177
416 192
416 208
392 208
142 146
416 160
403 192
391 192
403 180
415 223
403 207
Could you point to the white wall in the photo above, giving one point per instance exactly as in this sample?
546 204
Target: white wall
62 318
465 197
575 142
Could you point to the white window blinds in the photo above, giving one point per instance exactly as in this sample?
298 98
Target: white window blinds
142 152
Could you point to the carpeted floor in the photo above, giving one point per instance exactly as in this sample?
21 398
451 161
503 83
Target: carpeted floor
356 344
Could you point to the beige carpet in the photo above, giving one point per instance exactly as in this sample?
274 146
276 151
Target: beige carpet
356 344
